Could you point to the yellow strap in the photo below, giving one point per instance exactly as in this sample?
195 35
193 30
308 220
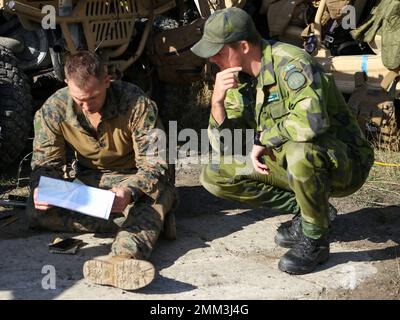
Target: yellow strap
387 164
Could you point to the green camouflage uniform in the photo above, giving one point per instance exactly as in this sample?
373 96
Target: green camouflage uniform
118 154
320 150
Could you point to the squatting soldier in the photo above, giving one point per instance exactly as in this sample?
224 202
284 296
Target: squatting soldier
107 125
307 147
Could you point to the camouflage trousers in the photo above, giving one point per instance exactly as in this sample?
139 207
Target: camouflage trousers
137 228
301 180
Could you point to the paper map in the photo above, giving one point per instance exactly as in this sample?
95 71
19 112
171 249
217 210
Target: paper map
75 196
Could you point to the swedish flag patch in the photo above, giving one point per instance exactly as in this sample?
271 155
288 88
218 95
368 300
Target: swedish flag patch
273 96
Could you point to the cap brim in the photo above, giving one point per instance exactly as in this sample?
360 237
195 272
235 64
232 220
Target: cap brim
206 49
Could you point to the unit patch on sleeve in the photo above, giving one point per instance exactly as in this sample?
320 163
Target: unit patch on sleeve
295 80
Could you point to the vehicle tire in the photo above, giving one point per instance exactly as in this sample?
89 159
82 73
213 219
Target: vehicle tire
15 109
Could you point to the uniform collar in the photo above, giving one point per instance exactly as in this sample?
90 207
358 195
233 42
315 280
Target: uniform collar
267 73
110 108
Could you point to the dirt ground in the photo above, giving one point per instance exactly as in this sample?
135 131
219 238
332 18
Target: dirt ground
224 250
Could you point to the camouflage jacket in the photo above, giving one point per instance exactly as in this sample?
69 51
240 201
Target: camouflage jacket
122 143
292 99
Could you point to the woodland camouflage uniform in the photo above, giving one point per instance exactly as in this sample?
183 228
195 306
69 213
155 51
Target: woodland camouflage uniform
118 155
320 149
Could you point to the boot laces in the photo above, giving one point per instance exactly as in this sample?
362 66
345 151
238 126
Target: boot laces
305 246
296 225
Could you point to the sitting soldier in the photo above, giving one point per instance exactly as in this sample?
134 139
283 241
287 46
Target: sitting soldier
108 126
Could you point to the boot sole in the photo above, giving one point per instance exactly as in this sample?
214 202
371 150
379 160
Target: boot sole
296 270
128 275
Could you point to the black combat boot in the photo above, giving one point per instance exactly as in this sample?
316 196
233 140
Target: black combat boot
288 234
305 255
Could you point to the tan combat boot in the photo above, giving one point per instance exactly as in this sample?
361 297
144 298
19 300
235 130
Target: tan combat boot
119 271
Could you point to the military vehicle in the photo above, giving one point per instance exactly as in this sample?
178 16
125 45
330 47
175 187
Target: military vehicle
145 40
36 36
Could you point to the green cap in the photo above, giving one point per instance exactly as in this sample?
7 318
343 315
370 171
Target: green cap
222 27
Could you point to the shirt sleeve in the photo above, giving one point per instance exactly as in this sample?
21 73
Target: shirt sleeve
235 120
149 143
48 157
307 108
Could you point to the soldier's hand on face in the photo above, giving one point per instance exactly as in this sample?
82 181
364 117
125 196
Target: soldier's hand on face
38 204
226 79
256 158
123 197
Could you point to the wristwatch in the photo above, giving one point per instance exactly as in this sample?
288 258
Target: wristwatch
257 138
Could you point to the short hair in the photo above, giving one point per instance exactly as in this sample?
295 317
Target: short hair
80 66
254 40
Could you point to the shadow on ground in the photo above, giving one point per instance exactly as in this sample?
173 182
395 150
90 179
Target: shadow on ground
197 206
201 218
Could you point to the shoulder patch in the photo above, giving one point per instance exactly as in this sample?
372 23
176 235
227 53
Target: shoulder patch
295 80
